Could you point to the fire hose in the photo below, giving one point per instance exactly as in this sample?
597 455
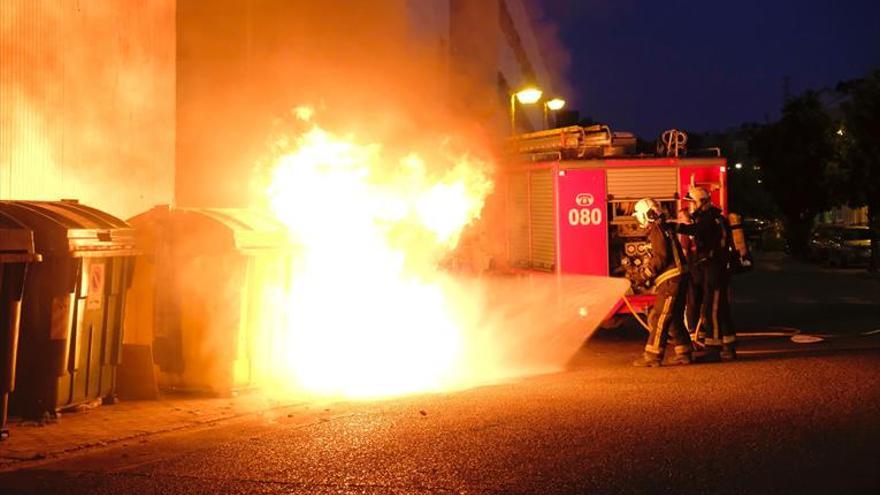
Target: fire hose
793 334
635 314
646 327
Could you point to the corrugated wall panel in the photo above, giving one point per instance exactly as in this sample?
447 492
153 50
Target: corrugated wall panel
637 183
542 210
87 99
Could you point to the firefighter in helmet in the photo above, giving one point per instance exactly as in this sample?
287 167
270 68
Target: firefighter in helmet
708 305
667 269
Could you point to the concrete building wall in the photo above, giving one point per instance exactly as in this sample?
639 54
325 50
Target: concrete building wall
87 102
213 87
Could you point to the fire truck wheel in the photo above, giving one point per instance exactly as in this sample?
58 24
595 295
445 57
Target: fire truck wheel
613 323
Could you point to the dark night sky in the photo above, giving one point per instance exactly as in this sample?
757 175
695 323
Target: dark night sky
649 65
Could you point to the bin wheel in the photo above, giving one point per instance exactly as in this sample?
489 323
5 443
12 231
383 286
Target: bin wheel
4 434
109 400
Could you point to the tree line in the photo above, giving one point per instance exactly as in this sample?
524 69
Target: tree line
823 152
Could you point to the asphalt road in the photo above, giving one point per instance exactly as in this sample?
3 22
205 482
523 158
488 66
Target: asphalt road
785 418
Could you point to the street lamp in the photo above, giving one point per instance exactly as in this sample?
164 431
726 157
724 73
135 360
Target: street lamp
529 95
554 105
525 96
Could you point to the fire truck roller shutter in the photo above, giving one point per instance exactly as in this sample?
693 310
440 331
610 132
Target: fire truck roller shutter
637 183
531 221
518 220
543 215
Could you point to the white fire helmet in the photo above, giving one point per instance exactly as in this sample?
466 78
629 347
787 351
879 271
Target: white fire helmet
646 211
699 194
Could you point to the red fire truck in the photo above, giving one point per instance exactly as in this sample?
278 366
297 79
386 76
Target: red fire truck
569 195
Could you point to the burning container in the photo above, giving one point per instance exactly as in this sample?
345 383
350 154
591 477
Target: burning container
16 254
73 305
213 281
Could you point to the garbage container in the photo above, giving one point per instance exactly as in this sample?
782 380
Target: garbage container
16 254
71 319
217 278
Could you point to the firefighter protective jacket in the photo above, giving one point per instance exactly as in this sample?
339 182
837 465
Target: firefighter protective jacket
667 259
709 232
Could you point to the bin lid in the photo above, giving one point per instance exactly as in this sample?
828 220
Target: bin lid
243 229
69 228
16 241
253 229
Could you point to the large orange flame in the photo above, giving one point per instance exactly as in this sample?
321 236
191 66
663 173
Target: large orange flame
370 313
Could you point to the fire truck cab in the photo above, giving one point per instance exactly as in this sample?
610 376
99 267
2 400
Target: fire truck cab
568 200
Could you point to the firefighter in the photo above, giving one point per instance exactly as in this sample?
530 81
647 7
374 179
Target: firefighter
694 294
687 244
708 306
666 268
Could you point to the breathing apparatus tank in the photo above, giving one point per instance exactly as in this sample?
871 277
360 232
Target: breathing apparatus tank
741 248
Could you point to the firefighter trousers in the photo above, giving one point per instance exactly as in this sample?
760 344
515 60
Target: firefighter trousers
666 319
708 302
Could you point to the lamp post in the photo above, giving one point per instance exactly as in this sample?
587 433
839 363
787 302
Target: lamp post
554 105
525 96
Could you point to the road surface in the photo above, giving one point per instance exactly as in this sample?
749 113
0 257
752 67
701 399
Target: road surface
785 418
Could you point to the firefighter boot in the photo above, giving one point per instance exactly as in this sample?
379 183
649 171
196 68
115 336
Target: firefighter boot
712 355
648 360
682 359
728 352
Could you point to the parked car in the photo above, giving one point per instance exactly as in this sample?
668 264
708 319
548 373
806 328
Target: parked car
755 229
820 240
841 245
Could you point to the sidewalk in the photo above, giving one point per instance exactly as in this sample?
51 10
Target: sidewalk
123 422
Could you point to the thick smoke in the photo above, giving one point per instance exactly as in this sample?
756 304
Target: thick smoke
244 65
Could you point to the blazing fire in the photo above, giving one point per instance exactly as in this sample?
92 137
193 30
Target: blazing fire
370 313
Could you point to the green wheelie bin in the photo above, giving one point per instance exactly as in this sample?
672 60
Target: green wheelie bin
212 278
16 254
73 307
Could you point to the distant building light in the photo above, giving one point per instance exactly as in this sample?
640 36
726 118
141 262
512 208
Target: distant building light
738 165
759 181
840 132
